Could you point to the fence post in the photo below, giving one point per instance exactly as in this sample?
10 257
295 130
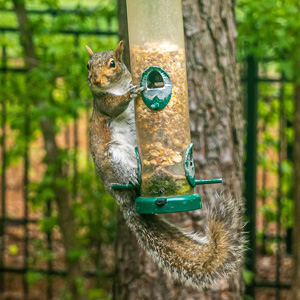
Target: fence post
26 164
75 130
3 174
279 188
250 167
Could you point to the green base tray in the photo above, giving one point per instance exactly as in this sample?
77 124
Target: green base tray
162 205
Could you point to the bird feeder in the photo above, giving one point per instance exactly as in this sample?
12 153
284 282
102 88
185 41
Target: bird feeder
157 53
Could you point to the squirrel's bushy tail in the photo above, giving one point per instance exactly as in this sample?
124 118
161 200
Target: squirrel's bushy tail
191 258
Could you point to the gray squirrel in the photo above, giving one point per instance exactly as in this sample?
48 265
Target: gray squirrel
193 259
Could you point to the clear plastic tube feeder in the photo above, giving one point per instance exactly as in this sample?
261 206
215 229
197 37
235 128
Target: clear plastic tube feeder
157 53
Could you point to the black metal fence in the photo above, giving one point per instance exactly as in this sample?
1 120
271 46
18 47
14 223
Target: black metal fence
14 273
268 196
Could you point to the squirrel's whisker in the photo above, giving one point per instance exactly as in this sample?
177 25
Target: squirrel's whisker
83 87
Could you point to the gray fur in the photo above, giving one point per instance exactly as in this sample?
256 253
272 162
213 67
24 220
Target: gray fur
155 234
193 259
122 146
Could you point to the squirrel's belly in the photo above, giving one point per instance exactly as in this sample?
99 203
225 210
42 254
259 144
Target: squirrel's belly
122 145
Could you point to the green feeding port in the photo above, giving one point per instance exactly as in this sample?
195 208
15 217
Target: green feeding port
158 87
155 80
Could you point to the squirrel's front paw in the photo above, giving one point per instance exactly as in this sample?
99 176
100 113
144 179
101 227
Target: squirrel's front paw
134 91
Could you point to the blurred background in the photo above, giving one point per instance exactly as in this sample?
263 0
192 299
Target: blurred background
32 253
46 106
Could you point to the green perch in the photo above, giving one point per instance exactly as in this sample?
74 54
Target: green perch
208 181
198 182
124 186
158 205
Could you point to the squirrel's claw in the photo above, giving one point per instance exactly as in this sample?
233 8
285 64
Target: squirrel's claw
132 88
134 91
141 89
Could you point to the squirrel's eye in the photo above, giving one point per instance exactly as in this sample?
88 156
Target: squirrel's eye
88 66
112 64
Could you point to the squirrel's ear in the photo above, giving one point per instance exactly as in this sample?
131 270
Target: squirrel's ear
119 51
89 50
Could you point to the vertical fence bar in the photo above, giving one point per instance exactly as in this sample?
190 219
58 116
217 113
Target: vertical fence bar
25 194
264 186
279 188
48 214
75 165
3 174
264 196
75 132
289 155
50 249
250 167
109 23
264 71
87 122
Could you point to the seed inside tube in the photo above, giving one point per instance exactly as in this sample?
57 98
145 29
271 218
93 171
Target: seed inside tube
163 135
177 158
154 153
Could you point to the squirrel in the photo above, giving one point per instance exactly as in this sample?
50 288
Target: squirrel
193 259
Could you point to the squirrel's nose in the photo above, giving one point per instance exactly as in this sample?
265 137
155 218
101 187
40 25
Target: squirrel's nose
97 79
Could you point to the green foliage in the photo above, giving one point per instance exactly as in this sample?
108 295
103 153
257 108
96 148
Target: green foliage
33 277
268 29
97 294
97 214
248 276
47 223
13 249
60 80
268 146
79 282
